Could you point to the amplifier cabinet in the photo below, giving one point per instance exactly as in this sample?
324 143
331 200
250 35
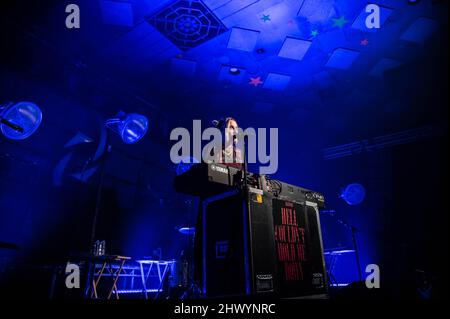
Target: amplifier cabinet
261 246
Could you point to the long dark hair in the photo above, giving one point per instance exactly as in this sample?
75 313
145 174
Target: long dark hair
222 123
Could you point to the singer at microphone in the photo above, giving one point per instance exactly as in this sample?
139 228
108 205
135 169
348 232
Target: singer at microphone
229 155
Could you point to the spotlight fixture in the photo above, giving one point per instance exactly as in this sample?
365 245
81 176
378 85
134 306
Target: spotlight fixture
413 2
353 194
19 120
260 51
131 127
234 71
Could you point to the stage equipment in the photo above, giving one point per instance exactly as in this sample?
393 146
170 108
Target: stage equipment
210 179
131 127
186 288
259 236
353 194
332 257
107 269
148 270
113 276
353 230
19 120
99 248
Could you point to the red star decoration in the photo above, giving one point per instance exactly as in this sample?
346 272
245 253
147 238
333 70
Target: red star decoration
255 81
364 42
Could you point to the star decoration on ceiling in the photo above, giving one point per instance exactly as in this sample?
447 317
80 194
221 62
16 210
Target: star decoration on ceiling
314 33
339 22
364 42
265 17
255 81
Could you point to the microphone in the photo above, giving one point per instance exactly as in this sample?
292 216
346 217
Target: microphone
15 127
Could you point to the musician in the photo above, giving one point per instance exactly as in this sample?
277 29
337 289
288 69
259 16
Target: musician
231 155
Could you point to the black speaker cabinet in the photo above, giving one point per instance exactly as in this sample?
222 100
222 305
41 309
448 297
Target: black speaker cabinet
263 246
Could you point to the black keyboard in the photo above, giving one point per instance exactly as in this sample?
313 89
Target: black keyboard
211 179
208 179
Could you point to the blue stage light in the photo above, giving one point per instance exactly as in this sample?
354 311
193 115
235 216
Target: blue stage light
131 127
187 230
18 121
234 71
353 194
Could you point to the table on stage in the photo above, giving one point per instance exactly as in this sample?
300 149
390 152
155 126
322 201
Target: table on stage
108 267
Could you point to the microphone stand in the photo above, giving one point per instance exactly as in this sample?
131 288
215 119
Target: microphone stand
353 230
247 218
91 253
358 264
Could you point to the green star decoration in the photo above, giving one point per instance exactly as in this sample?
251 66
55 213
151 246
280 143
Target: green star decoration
314 33
339 22
265 17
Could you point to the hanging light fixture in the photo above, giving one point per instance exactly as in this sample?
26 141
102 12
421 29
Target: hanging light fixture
19 120
131 127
